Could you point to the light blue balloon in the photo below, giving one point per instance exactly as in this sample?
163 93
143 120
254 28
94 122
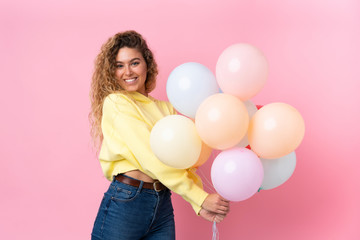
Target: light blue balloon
189 85
277 171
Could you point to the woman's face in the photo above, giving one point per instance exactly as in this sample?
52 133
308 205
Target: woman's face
131 70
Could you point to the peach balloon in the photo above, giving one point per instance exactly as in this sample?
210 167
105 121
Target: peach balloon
204 155
222 121
241 70
275 130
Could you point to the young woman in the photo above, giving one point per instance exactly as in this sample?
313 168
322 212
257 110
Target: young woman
137 204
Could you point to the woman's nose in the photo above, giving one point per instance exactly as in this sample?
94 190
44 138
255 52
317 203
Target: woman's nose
128 70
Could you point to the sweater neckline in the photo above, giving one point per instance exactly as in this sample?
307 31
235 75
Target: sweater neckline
140 97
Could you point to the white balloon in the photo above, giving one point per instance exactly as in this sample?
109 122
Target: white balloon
188 85
174 140
277 171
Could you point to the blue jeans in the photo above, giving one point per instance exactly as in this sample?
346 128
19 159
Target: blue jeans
131 213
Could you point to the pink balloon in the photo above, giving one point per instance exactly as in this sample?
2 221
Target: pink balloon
237 174
222 121
241 70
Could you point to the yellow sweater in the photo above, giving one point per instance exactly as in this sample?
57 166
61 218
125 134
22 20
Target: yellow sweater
126 125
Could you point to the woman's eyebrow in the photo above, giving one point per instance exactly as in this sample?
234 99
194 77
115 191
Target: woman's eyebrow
130 60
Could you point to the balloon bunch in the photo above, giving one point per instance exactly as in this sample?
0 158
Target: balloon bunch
227 120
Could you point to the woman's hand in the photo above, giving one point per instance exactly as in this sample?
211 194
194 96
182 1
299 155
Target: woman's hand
211 216
216 204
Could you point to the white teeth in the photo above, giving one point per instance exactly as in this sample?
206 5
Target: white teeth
130 80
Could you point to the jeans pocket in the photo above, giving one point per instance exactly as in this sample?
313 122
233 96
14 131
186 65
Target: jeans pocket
125 194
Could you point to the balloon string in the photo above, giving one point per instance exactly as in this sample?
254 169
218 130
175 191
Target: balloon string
210 186
207 184
215 231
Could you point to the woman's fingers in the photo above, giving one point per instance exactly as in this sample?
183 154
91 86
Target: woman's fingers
211 216
219 217
215 203
223 211
223 208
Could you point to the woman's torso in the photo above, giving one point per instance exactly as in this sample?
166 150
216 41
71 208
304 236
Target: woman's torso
137 174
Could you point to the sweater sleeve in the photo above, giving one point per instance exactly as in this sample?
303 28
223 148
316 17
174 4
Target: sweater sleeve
127 134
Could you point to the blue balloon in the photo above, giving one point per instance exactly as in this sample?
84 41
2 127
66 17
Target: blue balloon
189 85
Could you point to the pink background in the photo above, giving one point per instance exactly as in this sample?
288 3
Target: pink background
51 182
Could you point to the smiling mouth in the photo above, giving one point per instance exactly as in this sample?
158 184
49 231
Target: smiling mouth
130 80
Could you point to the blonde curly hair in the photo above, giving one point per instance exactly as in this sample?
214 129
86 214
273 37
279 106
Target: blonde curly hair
104 81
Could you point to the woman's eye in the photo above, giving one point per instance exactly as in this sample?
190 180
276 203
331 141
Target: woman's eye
119 66
135 63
